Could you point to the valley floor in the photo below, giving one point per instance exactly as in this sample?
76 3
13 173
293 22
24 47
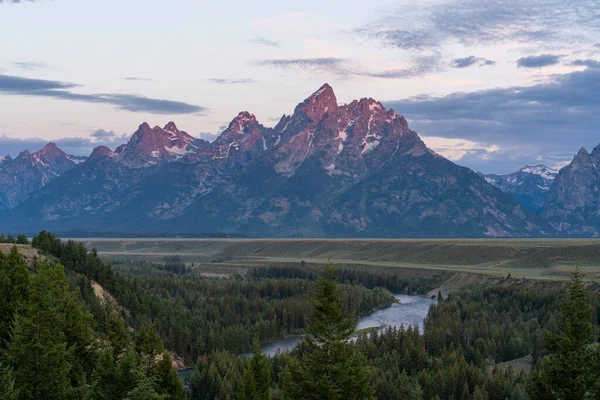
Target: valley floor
545 259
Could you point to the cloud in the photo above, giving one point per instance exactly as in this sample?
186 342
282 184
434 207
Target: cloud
555 118
330 64
221 81
470 22
30 65
542 60
16 1
266 42
18 85
597 45
346 68
586 63
136 78
471 60
14 85
108 137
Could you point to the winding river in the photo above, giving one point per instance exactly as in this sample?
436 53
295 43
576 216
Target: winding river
411 310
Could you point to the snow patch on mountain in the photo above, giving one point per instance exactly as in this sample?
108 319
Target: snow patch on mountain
541 170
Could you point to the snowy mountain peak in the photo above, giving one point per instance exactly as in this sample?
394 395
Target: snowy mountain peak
541 170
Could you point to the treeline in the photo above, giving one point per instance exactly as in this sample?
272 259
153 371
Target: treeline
389 278
10 239
52 348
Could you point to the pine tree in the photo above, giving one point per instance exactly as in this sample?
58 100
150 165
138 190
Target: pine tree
38 350
147 342
8 391
14 282
568 372
256 381
166 381
331 369
144 391
118 334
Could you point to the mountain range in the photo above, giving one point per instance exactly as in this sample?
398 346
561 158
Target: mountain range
325 170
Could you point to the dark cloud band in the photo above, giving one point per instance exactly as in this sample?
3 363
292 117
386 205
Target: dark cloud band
543 60
14 85
471 60
550 118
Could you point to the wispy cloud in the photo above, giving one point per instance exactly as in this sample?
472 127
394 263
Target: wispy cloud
470 22
313 64
265 42
221 81
347 68
29 65
19 86
542 60
137 78
471 60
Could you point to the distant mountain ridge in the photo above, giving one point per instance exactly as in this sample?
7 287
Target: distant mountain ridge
29 172
530 185
326 170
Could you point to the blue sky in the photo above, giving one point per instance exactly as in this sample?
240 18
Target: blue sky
491 85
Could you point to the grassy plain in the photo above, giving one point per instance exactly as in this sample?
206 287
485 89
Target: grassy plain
551 259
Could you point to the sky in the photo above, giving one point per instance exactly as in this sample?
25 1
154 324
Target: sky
492 85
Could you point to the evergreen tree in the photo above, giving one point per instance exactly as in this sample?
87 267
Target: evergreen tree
14 282
8 391
331 369
38 350
569 371
144 391
118 334
147 342
166 381
256 379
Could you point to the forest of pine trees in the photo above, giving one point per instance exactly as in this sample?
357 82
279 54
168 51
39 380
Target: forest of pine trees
59 340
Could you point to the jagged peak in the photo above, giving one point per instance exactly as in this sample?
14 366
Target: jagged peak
101 152
582 152
51 149
321 102
171 127
243 117
24 153
323 89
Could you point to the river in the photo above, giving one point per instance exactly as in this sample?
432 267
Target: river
411 310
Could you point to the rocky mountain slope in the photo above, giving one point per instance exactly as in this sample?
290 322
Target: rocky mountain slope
326 170
29 172
573 204
529 185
